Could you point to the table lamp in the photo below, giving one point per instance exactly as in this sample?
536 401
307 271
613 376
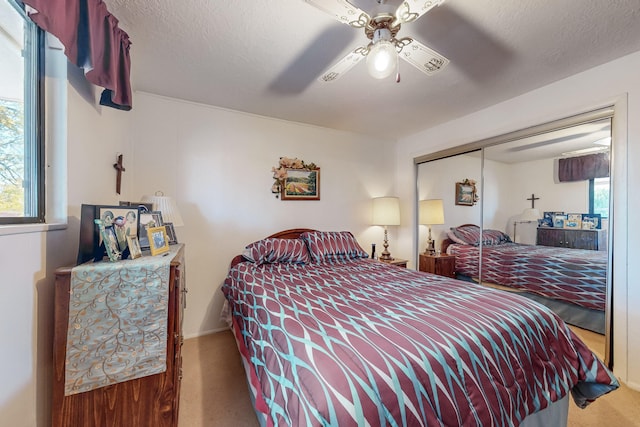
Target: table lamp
431 212
386 211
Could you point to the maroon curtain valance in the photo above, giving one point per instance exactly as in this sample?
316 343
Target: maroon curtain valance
584 167
92 41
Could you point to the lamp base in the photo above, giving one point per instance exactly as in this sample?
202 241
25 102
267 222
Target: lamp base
386 255
431 247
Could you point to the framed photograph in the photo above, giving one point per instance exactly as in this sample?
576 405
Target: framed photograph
465 194
547 220
143 206
573 221
171 233
595 219
558 220
134 247
158 241
124 220
301 184
108 235
148 220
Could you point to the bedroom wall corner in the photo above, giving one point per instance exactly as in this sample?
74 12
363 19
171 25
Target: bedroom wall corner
217 164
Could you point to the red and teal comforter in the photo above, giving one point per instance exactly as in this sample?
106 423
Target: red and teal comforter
576 276
363 343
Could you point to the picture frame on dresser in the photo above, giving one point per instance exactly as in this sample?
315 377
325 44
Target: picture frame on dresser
90 246
595 219
134 247
158 240
147 220
574 220
171 233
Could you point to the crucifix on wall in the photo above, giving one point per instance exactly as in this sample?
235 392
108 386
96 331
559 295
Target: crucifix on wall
120 168
533 199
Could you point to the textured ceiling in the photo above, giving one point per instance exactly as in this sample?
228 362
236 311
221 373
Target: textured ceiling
264 56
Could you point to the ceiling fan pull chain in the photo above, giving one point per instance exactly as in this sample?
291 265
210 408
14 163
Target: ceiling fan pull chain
398 72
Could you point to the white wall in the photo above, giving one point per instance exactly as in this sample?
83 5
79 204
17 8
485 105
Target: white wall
437 180
80 170
217 164
612 83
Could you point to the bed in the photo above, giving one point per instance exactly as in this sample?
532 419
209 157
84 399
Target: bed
330 337
572 282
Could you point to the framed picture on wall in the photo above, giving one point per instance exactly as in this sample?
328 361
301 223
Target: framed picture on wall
465 194
301 184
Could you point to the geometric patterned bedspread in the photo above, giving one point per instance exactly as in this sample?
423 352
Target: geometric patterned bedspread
364 343
575 276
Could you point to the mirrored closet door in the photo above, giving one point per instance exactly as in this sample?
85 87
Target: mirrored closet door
543 211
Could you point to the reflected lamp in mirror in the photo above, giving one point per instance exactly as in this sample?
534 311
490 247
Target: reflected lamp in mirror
167 205
386 211
528 215
431 212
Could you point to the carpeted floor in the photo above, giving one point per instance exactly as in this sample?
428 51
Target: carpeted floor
214 391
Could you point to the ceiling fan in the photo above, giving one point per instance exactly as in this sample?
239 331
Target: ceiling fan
384 48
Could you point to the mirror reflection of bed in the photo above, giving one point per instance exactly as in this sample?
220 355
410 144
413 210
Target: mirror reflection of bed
519 178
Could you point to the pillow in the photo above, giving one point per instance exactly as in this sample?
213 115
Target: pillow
470 235
465 235
494 237
270 251
330 246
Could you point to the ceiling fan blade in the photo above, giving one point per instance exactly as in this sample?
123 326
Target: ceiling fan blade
344 65
410 10
424 59
343 11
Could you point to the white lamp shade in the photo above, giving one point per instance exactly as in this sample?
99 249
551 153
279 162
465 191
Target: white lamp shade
168 207
530 214
386 211
431 212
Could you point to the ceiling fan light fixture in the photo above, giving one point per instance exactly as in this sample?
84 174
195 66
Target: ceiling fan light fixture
382 59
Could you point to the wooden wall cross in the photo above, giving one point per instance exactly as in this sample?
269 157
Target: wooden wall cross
533 199
118 166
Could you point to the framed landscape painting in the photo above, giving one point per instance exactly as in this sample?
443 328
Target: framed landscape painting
465 194
301 184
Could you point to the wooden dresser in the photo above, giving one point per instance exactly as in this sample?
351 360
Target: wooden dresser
572 238
150 401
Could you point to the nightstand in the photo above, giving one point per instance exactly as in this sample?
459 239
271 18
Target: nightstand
443 265
396 261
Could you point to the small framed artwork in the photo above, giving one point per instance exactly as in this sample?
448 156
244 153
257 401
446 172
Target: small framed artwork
594 219
158 241
143 206
573 221
301 184
148 220
134 247
124 220
465 194
558 221
171 233
547 220
110 240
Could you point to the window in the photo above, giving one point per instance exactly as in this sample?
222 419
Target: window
21 139
599 196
